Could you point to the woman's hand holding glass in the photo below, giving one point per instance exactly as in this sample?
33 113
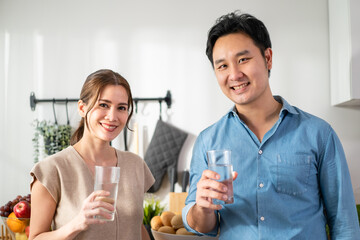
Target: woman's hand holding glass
91 208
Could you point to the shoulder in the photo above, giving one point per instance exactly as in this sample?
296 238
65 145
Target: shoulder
132 164
49 170
224 120
217 131
55 163
309 119
56 158
301 117
226 123
129 158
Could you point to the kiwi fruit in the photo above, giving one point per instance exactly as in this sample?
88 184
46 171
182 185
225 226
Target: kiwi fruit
176 222
166 218
156 223
166 229
183 231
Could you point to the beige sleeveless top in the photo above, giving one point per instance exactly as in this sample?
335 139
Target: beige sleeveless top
69 181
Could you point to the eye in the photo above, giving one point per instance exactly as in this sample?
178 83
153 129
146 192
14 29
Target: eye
241 60
122 108
103 105
221 67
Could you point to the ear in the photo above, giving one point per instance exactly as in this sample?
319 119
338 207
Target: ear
268 58
81 108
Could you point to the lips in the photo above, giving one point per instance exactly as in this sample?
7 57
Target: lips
108 127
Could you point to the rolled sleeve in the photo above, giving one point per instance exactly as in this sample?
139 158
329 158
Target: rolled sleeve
198 165
335 184
185 211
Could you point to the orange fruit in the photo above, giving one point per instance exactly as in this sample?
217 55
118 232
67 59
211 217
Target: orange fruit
16 225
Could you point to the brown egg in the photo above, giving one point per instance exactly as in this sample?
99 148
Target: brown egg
156 223
166 218
166 229
176 222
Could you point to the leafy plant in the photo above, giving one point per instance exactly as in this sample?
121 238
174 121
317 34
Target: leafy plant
55 138
152 207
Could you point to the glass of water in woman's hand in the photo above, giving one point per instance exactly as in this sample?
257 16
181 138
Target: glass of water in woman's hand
219 161
107 179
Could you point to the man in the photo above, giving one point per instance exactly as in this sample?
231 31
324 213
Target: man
290 169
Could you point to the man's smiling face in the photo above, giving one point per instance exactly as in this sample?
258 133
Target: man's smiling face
240 68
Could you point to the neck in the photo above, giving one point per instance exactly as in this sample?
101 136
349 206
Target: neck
260 116
96 152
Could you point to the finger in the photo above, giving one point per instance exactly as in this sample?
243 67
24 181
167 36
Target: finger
211 184
92 202
204 203
211 194
94 194
209 174
100 203
234 175
100 213
101 193
96 217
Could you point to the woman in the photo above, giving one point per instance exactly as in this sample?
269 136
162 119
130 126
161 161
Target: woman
63 202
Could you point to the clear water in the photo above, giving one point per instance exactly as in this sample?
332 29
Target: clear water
225 172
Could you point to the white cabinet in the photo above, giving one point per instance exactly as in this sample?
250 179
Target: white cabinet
344 30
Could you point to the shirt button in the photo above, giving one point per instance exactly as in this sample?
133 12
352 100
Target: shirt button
262 218
260 151
261 185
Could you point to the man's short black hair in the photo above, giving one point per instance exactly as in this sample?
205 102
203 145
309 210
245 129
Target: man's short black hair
236 22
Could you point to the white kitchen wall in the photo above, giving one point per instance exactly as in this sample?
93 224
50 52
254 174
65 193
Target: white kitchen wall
49 47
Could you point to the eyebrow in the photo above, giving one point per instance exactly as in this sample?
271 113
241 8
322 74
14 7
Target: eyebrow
237 55
107 101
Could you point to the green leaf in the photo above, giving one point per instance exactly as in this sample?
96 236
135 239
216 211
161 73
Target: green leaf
152 207
55 137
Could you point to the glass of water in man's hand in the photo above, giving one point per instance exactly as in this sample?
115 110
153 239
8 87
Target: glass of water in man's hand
219 161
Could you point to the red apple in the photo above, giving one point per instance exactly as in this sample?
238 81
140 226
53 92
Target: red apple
27 231
22 209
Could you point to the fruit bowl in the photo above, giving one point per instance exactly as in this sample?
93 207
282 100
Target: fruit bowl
166 236
16 226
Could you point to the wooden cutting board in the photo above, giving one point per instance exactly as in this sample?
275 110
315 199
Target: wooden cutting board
177 201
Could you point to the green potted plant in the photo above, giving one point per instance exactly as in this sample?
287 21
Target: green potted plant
152 207
55 138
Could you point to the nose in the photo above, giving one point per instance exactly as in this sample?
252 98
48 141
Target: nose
110 115
235 72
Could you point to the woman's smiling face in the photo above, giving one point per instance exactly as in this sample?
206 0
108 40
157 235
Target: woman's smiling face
109 115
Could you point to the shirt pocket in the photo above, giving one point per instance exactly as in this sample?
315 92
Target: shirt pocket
292 174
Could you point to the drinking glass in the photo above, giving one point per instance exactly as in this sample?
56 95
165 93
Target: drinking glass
107 178
219 161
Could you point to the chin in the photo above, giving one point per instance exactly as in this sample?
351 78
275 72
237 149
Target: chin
108 138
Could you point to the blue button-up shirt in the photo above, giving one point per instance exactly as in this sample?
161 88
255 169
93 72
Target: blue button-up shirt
284 183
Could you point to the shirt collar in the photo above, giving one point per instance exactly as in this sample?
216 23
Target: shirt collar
285 107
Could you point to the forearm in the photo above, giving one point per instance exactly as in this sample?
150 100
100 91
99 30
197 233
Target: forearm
67 232
201 219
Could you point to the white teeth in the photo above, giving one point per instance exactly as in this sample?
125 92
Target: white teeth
241 86
108 127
